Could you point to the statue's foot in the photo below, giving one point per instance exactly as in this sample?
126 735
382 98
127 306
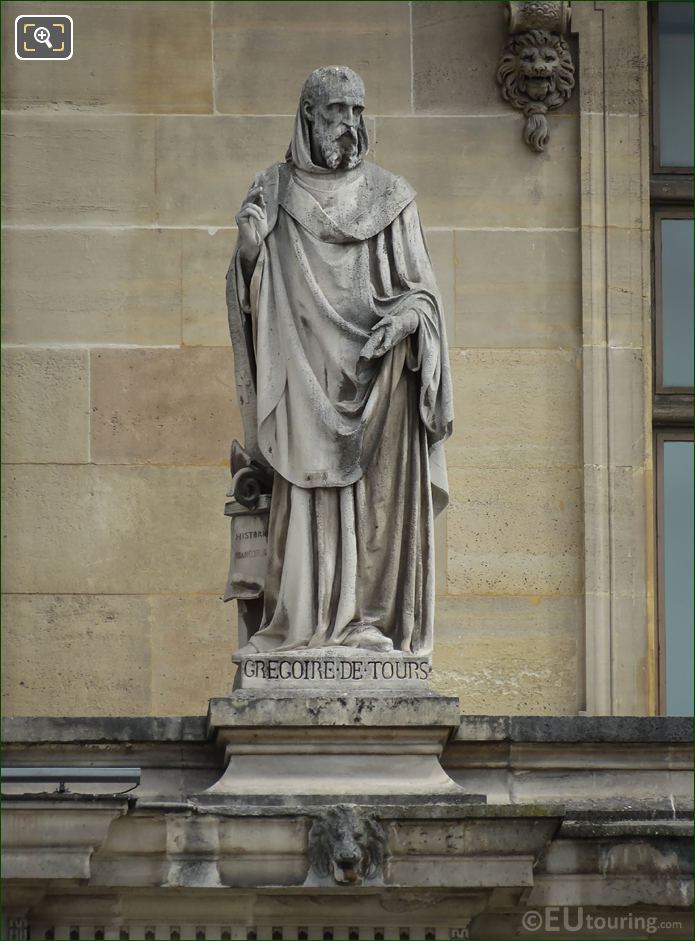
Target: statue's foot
369 637
248 650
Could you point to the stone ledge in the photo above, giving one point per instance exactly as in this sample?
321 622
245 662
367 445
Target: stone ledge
636 729
603 829
309 708
575 729
85 729
471 806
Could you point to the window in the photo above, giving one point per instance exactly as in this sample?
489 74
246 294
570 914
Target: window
671 49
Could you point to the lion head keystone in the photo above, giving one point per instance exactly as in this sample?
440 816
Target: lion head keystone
346 846
536 72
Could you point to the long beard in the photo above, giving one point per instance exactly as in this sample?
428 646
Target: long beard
340 153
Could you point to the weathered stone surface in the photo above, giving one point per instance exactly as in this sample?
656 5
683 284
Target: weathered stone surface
205 259
624 30
73 655
448 72
78 168
517 289
110 655
630 493
245 710
277 751
40 843
192 642
518 655
373 39
629 324
474 156
163 406
472 728
626 488
128 58
631 385
112 729
619 573
633 729
115 529
222 155
515 407
95 287
563 729
618 140
45 406
515 530
333 670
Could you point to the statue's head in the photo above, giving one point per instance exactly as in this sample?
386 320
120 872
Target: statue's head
332 103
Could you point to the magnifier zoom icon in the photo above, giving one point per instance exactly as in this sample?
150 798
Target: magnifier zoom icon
43 35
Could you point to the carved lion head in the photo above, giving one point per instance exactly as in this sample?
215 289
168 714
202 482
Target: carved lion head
536 75
347 845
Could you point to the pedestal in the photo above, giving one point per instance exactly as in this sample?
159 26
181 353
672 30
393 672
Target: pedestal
318 727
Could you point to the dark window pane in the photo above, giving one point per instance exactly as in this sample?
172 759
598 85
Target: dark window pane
678 576
677 301
676 84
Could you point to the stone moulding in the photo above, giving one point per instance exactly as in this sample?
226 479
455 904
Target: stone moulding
585 811
49 837
621 676
536 71
372 746
529 14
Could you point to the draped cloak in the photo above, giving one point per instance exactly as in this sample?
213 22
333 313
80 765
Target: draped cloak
356 446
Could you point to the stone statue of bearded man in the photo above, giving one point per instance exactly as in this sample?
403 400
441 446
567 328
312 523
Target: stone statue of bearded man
344 384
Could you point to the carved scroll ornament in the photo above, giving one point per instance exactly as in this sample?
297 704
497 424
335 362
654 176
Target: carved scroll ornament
536 71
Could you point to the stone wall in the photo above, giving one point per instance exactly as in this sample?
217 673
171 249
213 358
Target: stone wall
123 170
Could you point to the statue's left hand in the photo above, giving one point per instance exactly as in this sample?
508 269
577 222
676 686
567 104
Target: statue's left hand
388 333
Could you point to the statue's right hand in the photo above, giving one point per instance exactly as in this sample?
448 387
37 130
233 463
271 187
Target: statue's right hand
252 221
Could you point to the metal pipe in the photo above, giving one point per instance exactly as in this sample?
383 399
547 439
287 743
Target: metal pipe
73 774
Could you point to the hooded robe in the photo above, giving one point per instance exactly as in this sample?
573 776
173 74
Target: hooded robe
356 446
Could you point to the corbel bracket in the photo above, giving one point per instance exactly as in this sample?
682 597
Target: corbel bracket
536 71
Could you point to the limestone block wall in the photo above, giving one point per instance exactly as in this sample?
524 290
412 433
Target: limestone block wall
124 168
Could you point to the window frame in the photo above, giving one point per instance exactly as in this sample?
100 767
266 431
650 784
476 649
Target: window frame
657 168
660 211
671 197
661 436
